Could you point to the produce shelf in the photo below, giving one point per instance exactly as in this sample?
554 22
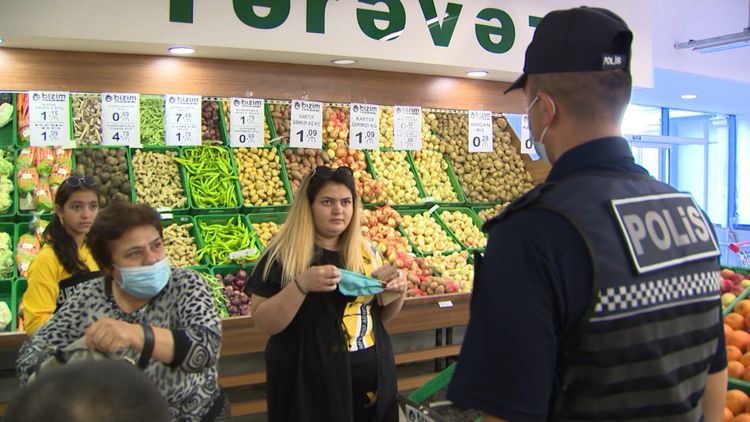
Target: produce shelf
222 219
374 172
451 177
19 289
194 209
467 211
419 252
745 293
284 180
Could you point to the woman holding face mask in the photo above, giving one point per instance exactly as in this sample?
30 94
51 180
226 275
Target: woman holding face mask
329 357
162 318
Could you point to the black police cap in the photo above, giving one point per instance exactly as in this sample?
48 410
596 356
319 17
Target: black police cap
577 40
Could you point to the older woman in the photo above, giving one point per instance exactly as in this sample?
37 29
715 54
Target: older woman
162 318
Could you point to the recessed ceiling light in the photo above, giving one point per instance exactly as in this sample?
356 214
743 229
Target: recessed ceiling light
343 61
1 40
476 73
181 50
688 96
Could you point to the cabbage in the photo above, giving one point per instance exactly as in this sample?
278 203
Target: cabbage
6 167
6 113
6 256
5 315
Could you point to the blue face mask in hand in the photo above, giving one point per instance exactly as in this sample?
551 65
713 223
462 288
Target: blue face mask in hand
354 284
147 281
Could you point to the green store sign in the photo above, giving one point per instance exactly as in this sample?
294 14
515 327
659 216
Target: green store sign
495 30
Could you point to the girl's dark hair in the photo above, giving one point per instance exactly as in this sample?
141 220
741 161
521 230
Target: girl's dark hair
64 245
114 221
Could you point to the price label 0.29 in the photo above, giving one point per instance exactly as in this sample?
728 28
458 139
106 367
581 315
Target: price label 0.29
407 128
480 131
182 119
49 118
364 126
121 119
307 124
246 123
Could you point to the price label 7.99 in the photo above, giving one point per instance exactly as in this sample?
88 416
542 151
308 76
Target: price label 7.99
182 120
364 126
121 119
307 124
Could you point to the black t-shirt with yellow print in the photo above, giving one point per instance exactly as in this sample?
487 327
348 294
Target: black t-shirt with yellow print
333 342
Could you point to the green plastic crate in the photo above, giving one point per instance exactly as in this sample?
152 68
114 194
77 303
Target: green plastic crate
420 190
170 219
284 180
428 199
221 219
183 177
276 217
19 289
6 295
9 132
128 159
25 215
405 212
194 209
10 214
474 217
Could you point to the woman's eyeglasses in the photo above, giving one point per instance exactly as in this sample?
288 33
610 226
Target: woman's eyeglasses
76 181
327 172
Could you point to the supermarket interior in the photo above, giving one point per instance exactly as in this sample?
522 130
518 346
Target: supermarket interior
215 113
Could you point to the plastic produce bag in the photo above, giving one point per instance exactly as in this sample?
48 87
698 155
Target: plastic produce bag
25 158
26 250
60 172
28 179
45 161
43 197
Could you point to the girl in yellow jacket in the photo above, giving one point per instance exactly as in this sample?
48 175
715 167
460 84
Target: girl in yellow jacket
64 260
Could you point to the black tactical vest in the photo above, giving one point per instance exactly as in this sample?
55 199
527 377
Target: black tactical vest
644 346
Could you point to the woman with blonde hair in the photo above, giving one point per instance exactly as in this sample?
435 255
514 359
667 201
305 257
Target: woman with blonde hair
329 357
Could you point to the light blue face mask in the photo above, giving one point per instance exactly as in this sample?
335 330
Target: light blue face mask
539 147
147 281
355 284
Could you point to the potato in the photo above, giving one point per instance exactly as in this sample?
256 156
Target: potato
260 176
94 162
491 212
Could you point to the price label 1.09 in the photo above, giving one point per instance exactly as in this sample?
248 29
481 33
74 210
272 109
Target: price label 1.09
307 124
364 126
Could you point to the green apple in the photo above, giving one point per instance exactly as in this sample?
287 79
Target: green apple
744 283
727 298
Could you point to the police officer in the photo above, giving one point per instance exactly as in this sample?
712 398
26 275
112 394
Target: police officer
598 294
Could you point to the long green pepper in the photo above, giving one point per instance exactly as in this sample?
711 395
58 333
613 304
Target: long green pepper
220 240
217 291
152 121
210 177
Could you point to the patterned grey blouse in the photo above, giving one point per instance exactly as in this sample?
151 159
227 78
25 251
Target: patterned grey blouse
190 383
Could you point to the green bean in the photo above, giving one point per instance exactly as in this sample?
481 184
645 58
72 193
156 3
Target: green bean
210 177
152 121
217 291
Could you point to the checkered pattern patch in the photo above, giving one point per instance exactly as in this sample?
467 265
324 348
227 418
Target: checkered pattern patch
657 292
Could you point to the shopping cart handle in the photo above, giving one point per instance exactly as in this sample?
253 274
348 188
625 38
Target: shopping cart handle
735 247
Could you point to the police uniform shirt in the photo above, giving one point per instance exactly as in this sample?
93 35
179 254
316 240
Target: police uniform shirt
533 286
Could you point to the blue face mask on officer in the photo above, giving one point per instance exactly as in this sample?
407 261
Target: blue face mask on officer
541 150
146 281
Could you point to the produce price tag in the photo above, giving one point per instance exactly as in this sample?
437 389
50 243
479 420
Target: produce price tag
121 125
49 119
480 131
407 128
307 124
445 304
182 120
246 124
243 253
527 145
364 126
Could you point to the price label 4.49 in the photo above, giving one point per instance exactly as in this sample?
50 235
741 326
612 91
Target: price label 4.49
364 126
480 131
49 118
307 124
120 119
182 120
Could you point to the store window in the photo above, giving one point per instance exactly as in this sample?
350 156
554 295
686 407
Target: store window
743 170
700 164
642 120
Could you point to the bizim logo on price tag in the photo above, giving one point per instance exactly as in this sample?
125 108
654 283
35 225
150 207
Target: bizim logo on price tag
121 125
480 131
49 119
364 124
407 128
246 122
307 124
182 120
